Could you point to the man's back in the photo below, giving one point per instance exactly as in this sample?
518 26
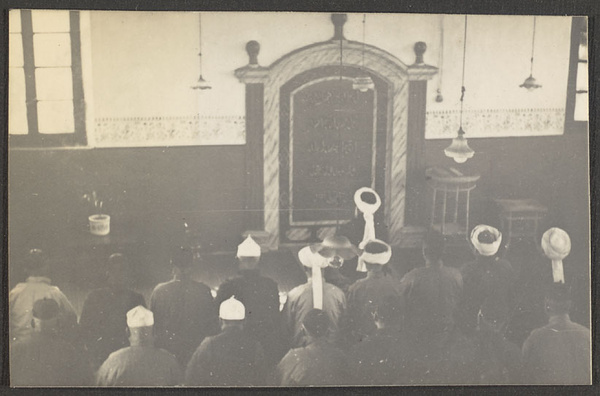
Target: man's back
21 300
47 360
558 354
104 320
431 295
300 302
184 313
317 364
140 366
230 358
364 296
379 359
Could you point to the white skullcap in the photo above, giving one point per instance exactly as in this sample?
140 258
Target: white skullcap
140 317
232 309
248 248
381 258
556 245
486 249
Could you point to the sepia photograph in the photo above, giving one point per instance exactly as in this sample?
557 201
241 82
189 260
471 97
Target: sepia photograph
297 199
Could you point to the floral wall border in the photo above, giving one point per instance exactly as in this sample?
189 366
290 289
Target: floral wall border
490 123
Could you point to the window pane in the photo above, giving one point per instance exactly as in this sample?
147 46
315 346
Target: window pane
50 21
52 49
54 83
14 21
581 107
55 117
582 77
15 50
17 110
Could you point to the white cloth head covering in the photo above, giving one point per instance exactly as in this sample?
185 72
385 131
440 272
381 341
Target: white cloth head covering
367 209
556 245
314 260
486 249
376 258
140 317
232 309
248 248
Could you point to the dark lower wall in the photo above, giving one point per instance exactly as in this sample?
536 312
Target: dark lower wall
147 191
150 191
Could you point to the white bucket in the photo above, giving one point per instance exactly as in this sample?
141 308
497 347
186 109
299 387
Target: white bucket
99 224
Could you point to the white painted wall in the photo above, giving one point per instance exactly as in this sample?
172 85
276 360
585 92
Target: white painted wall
145 62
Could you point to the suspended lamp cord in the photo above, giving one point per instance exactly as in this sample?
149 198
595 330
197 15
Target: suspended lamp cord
200 40
462 90
341 54
532 46
441 56
363 40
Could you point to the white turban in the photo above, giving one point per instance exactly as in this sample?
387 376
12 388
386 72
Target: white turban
367 209
140 317
556 245
248 248
313 260
376 258
232 309
486 249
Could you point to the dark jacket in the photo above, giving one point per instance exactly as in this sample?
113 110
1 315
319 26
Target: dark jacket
184 313
260 296
103 321
47 360
317 364
231 358
558 354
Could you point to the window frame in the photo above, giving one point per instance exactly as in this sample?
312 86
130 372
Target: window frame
34 138
578 25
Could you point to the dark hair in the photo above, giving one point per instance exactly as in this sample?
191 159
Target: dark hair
558 296
117 261
486 237
45 309
374 247
368 197
433 245
316 323
182 257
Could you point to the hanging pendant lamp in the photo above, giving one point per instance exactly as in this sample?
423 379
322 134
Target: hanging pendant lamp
459 149
363 82
530 83
201 84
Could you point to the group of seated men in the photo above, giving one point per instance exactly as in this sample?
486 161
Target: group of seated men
436 325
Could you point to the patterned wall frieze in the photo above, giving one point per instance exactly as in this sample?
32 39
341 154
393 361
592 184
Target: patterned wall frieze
170 131
486 123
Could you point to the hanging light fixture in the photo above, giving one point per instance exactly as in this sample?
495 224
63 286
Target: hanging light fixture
459 150
363 82
202 84
530 83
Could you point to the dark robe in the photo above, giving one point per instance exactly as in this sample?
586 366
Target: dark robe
558 354
317 364
364 296
260 296
184 313
488 285
103 321
43 359
380 359
231 358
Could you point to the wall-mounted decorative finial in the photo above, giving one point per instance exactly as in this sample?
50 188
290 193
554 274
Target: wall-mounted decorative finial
420 48
338 25
253 48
